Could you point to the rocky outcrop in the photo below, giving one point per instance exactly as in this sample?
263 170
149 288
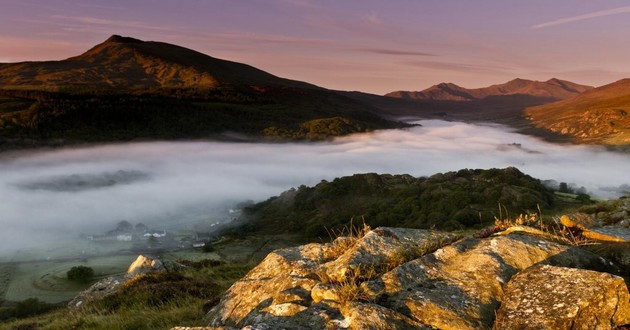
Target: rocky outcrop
110 285
546 297
400 279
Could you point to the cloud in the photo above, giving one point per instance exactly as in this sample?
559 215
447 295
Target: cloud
386 51
51 194
89 20
601 13
459 67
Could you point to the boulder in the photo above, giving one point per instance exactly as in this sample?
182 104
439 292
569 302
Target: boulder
547 297
143 265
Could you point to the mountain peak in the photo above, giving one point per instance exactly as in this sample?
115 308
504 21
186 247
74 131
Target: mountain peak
122 40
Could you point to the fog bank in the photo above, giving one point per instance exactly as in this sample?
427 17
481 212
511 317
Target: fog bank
46 194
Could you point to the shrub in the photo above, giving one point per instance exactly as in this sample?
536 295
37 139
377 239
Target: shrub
82 274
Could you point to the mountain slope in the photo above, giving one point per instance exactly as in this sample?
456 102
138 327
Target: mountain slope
597 116
122 62
127 89
553 89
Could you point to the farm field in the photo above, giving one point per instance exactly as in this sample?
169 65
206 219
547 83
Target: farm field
46 280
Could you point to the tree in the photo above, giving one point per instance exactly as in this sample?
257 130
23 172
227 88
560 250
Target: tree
124 227
82 274
564 188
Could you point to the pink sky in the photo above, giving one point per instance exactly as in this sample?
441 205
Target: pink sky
367 45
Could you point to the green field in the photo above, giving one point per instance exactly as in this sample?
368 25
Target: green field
46 280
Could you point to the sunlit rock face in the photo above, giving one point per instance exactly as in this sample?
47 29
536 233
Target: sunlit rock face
391 278
547 297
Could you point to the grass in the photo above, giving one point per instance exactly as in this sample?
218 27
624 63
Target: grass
345 238
155 301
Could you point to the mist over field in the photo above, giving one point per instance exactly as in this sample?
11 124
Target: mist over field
45 195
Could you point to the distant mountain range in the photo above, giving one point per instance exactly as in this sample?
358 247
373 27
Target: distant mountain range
552 89
600 115
126 89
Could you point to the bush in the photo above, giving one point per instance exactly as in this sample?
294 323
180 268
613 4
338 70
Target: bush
82 274
207 247
25 308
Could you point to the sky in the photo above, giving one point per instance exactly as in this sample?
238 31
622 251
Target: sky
366 45
52 194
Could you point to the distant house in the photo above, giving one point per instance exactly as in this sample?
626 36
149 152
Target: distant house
124 237
110 237
156 234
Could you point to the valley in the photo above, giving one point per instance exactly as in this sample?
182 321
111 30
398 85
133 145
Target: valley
231 180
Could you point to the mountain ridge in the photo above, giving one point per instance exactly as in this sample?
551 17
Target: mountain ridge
553 88
124 62
596 116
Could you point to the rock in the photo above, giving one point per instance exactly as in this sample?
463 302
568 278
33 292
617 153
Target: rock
547 297
97 291
284 276
372 316
589 233
461 285
382 245
411 285
143 265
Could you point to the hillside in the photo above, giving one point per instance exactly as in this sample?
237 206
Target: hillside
127 89
449 201
552 89
597 116
127 63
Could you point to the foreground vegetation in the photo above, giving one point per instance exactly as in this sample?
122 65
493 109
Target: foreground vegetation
153 301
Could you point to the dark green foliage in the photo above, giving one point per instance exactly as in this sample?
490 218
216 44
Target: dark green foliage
82 274
449 201
33 117
207 248
25 308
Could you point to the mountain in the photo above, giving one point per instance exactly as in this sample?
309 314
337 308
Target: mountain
123 62
552 89
600 115
127 89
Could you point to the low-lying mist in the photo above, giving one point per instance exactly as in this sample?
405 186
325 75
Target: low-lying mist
45 195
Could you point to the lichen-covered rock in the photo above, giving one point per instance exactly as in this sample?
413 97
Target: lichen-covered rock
382 245
362 316
284 276
411 285
546 297
461 285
